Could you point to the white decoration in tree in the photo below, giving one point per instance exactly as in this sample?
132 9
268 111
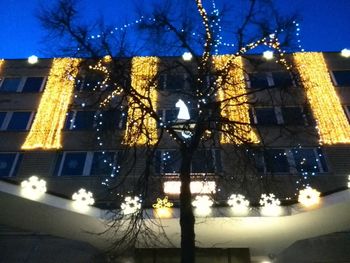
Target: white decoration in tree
187 56
238 203
268 55
270 205
82 199
309 196
202 203
33 59
345 53
33 188
184 114
131 205
349 181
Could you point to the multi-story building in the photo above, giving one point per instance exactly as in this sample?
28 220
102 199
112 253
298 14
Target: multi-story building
51 127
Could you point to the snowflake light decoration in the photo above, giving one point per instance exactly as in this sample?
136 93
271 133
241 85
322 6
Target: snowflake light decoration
270 205
349 181
162 207
131 205
82 199
202 203
309 196
238 203
33 188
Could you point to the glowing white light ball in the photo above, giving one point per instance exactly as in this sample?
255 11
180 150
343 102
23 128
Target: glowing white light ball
268 54
32 59
187 56
131 205
309 196
349 181
202 203
33 188
82 199
345 53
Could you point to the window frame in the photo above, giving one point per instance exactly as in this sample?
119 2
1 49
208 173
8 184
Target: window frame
22 83
8 118
334 80
87 166
15 163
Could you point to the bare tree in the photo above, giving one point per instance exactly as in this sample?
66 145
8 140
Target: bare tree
172 28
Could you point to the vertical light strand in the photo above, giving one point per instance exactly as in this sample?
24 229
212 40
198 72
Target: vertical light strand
2 62
46 131
141 128
332 124
234 106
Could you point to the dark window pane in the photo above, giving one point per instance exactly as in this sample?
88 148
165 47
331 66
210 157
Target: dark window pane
276 161
171 115
203 162
322 159
19 121
305 160
342 77
102 164
112 119
69 120
171 161
6 163
73 164
84 120
91 82
157 161
10 84
58 164
175 82
2 118
293 116
33 84
258 80
282 79
265 116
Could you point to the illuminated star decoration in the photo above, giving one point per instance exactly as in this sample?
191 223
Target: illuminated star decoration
309 196
33 187
131 205
270 204
162 203
202 203
83 198
238 203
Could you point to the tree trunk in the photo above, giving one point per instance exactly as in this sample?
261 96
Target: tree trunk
187 219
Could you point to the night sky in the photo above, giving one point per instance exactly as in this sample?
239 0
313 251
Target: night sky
325 24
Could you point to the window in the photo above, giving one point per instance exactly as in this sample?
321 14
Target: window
113 119
172 82
347 111
10 84
15 121
276 161
90 82
80 120
258 80
310 160
282 79
265 116
293 116
342 78
85 163
9 163
33 84
18 84
204 161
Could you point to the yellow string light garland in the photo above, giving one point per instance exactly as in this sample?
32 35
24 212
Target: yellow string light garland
234 104
46 131
332 124
141 128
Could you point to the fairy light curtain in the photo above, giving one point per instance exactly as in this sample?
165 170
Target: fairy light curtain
141 128
332 124
235 105
46 131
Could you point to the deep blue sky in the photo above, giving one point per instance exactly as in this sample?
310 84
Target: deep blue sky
325 24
